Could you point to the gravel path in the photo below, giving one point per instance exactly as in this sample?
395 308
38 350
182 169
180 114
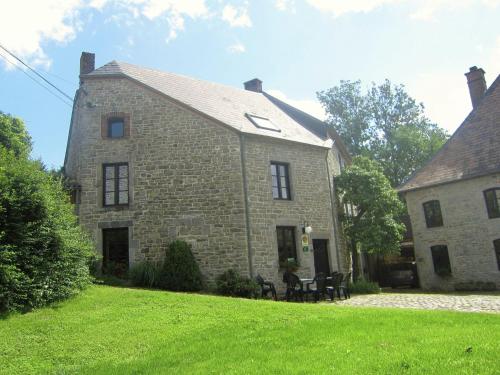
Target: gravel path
489 303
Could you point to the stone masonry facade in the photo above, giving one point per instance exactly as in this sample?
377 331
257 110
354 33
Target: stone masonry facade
467 232
187 177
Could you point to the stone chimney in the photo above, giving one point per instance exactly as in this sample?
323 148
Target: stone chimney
253 85
87 62
477 84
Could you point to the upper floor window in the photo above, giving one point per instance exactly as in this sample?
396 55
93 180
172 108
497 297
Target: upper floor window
287 248
115 184
492 199
432 211
280 181
441 260
115 125
496 244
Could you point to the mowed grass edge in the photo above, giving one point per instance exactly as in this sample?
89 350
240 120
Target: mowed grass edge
108 330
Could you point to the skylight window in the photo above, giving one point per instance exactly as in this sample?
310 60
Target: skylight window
263 123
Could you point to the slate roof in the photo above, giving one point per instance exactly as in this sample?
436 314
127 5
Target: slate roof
472 151
222 103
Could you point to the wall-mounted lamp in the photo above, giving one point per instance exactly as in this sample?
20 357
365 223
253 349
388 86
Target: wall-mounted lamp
307 229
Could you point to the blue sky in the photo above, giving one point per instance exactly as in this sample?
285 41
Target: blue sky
295 47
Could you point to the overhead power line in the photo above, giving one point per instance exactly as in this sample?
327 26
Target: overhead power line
62 99
34 71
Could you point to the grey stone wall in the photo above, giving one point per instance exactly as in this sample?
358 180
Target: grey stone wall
310 203
467 231
186 182
185 176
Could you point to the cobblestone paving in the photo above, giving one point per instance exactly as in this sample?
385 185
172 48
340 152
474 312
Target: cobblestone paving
457 302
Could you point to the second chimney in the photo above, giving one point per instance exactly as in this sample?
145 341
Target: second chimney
477 84
87 62
253 85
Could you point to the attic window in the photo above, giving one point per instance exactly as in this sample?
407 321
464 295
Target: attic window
263 123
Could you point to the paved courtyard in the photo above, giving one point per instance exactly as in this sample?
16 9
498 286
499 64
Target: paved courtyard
489 303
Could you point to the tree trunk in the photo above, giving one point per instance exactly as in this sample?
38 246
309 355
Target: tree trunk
355 261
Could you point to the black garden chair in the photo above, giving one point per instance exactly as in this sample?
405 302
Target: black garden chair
333 286
266 287
294 287
317 287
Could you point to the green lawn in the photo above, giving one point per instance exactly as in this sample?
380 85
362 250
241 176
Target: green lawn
120 331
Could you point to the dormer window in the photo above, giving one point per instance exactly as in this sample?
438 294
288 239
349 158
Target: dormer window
263 123
116 127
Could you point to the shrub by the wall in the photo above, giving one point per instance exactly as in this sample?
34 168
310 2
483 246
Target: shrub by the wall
364 287
230 283
180 272
145 274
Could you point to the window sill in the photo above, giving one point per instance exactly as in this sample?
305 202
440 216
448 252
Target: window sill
116 207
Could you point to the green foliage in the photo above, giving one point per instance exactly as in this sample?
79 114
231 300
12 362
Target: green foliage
44 255
145 274
230 283
14 136
180 270
374 226
364 287
385 124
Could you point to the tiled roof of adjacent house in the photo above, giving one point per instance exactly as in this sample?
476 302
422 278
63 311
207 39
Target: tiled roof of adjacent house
225 104
472 151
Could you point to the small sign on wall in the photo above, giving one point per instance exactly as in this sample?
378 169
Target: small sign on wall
305 243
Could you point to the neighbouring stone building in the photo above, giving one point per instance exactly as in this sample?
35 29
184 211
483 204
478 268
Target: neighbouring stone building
454 201
155 156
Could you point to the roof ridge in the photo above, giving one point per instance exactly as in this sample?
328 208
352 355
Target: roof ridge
468 118
163 72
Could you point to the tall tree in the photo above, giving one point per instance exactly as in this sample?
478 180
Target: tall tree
373 226
13 135
348 113
385 124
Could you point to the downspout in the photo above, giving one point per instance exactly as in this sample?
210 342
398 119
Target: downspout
334 216
247 203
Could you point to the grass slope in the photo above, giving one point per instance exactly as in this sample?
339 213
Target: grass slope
110 330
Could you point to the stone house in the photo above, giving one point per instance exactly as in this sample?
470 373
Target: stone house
454 200
155 156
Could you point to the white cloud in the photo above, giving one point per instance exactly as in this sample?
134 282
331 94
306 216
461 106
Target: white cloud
285 5
426 10
23 32
311 107
236 17
340 7
237 47
58 21
421 9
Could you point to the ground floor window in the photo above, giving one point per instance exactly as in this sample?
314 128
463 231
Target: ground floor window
496 243
115 251
441 260
287 248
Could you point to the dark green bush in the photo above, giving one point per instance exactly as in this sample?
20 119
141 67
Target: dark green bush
180 271
145 274
364 287
469 286
230 283
44 255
